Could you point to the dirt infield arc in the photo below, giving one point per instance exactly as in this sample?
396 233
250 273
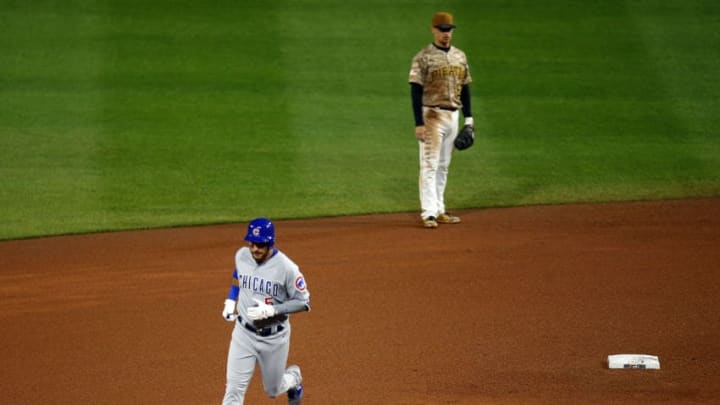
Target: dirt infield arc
518 305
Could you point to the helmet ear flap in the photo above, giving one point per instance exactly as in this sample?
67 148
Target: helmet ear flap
261 230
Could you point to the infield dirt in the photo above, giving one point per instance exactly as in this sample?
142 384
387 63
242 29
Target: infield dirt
517 305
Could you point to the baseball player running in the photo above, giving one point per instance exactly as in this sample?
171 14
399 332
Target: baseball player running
267 287
439 83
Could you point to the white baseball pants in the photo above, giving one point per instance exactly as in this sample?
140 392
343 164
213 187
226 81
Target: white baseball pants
441 127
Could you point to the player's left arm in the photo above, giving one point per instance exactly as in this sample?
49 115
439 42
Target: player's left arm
292 306
298 294
298 301
466 107
465 98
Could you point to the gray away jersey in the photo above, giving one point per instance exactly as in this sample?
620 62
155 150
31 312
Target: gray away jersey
275 281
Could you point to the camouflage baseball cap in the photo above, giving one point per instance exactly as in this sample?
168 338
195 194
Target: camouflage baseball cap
443 21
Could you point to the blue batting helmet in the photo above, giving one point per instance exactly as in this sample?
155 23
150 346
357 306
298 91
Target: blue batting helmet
261 230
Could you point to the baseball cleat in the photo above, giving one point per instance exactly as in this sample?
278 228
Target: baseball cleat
446 218
430 222
295 394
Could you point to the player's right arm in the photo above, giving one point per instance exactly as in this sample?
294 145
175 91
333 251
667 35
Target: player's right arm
416 94
234 287
230 306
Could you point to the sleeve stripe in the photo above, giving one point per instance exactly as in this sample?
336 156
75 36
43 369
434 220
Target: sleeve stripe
234 288
234 292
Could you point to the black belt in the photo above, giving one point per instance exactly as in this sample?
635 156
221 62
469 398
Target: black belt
264 332
442 108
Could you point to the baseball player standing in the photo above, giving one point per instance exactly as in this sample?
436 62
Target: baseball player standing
439 84
267 287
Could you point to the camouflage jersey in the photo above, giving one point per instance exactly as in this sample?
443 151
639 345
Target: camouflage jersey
442 75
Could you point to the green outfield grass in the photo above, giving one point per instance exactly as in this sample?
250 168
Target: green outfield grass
134 114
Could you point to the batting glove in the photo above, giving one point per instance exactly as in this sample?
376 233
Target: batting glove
261 311
229 311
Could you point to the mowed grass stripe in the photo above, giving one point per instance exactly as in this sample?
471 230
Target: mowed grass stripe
133 115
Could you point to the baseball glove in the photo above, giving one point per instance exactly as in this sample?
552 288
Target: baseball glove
465 138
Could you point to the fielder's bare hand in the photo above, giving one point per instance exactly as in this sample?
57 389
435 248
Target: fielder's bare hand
420 133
